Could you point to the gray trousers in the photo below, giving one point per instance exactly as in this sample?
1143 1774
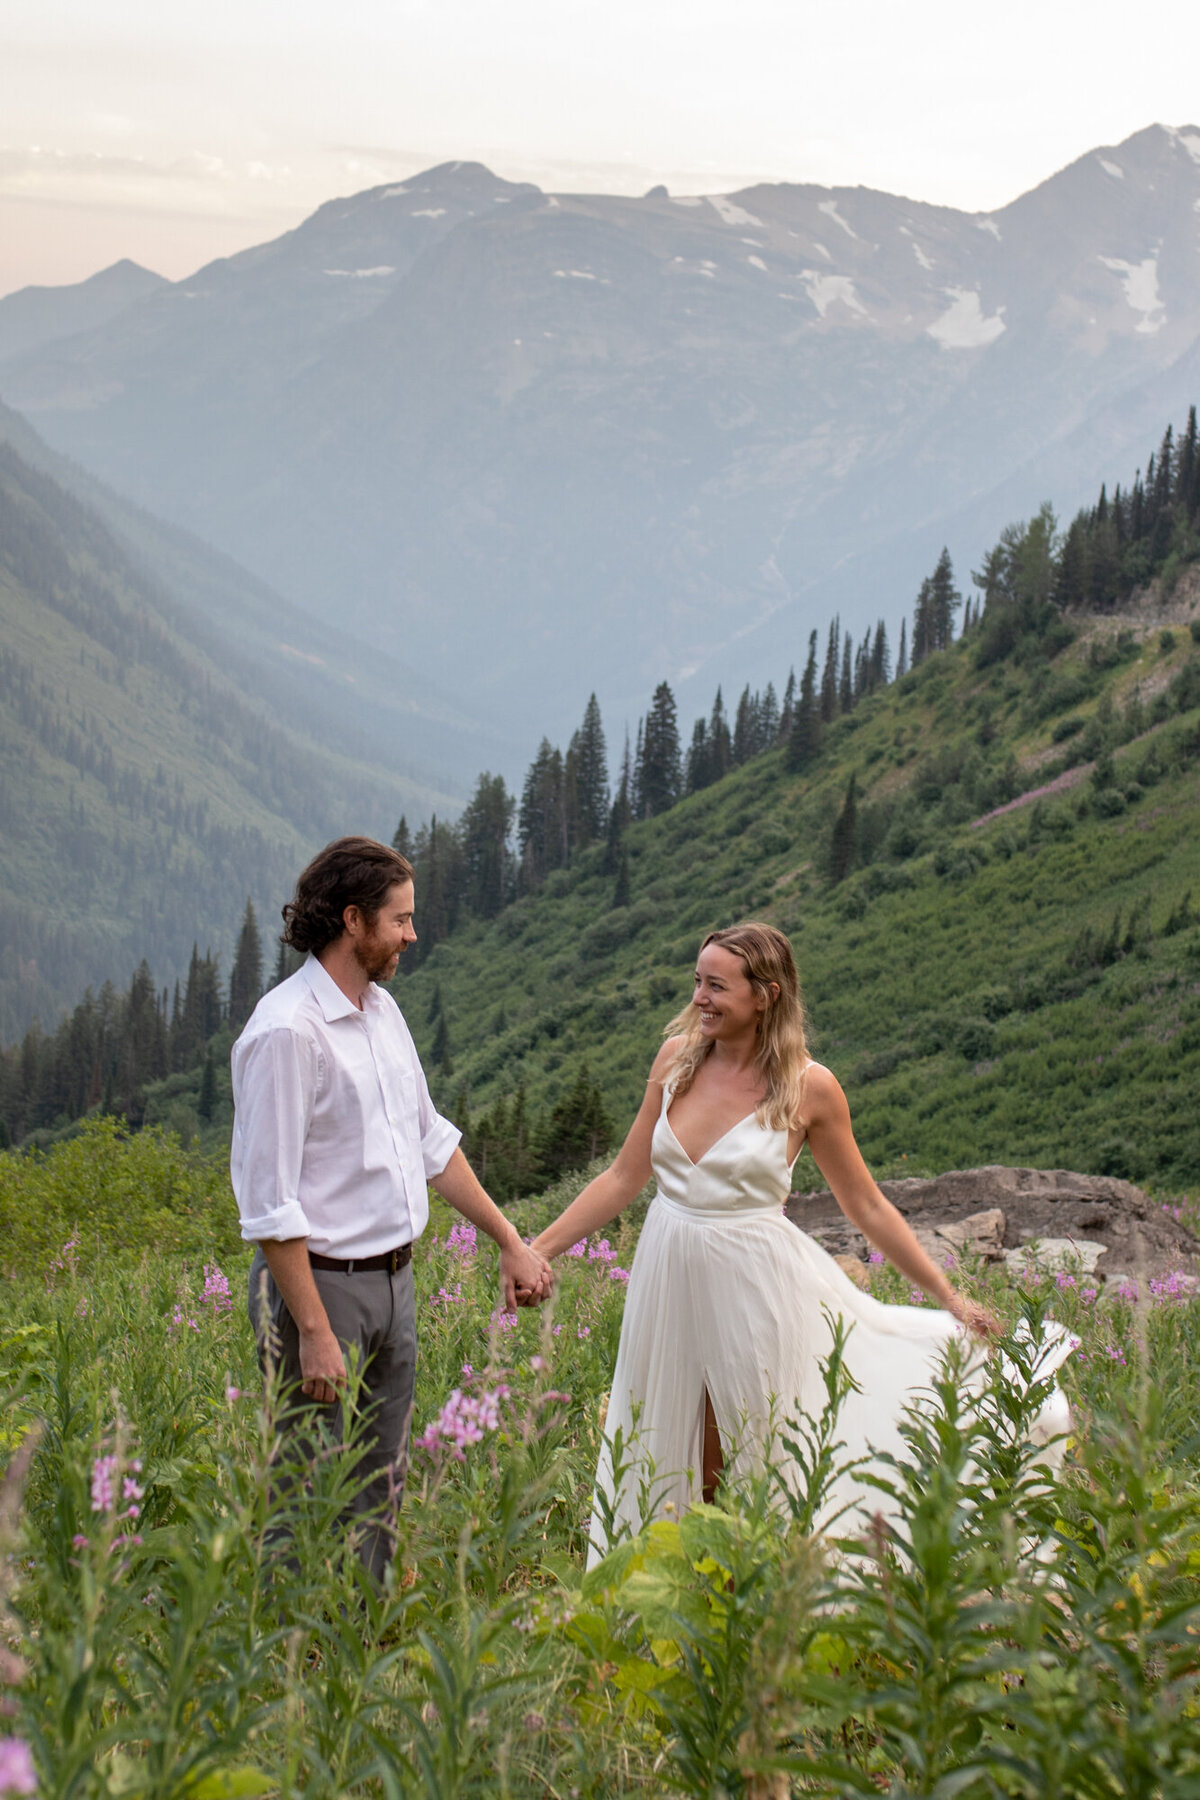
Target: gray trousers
373 1314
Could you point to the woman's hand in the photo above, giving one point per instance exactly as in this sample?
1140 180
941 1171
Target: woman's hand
979 1320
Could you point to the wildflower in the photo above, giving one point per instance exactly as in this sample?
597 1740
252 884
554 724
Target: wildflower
79 1542
447 1296
584 1331
467 1370
462 1239
503 1321
216 1290
537 1364
1089 1295
602 1252
179 1319
875 1256
917 1297
618 1274
556 1331
232 1394
463 1420
17 1774
578 1249
1064 1280
1128 1290
103 1470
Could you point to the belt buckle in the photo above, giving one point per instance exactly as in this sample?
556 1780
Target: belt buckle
394 1260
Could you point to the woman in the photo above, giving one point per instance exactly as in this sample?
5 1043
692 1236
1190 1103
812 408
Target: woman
724 1313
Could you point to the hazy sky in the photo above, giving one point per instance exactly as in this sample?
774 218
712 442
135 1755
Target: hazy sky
174 134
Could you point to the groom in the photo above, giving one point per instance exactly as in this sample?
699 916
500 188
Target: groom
335 1139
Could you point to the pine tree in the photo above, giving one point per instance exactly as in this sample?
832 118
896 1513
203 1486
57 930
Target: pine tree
804 742
846 682
483 833
720 746
902 656
881 658
922 636
698 773
245 978
619 815
829 677
944 602
402 839
744 729
577 1131
844 846
768 719
439 1056
787 711
661 772
589 757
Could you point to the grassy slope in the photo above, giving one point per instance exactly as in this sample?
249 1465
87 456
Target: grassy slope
101 868
951 1007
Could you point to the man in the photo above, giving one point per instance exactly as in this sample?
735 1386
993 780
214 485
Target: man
335 1139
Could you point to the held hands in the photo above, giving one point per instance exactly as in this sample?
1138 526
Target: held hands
526 1276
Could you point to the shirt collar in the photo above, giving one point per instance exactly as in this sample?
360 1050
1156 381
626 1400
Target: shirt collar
329 996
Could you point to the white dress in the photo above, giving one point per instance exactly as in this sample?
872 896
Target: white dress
726 1295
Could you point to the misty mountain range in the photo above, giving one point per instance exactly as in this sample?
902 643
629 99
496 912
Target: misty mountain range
525 445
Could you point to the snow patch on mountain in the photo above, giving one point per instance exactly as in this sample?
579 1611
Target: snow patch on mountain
964 326
730 211
1191 143
989 225
362 274
430 212
574 275
926 262
1113 169
390 193
829 208
1140 281
687 200
826 290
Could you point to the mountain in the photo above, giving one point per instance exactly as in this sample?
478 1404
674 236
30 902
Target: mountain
538 444
34 316
147 786
345 693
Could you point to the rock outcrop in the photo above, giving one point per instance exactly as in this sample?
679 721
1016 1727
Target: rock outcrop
994 1212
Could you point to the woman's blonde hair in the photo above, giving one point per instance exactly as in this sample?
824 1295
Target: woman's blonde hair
782 1056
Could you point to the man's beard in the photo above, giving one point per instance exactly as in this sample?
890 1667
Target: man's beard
378 963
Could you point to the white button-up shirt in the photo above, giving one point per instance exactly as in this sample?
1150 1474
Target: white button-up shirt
335 1137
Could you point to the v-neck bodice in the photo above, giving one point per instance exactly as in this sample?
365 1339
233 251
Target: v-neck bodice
746 1171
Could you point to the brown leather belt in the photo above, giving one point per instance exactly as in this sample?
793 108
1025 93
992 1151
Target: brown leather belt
390 1262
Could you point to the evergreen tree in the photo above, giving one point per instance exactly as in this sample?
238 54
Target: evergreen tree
829 677
661 772
787 711
483 833
577 1131
402 839
720 746
881 658
589 760
845 834
768 719
619 815
804 743
944 602
542 820
698 772
902 655
245 978
922 635
440 1054
846 682
745 729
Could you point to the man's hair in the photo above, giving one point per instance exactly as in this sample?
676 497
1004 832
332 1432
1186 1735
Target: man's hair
352 871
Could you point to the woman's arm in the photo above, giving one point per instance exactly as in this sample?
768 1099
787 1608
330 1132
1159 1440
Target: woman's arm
611 1192
831 1140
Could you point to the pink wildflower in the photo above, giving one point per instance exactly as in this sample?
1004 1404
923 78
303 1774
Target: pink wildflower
462 1238
875 1256
618 1274
602 1252
232 1394
503 1321
79 1542
585 1331
579 1249
216 1290
17 1773
463 1420
104 1468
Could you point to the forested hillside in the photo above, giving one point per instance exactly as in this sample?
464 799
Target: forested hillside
987 853
141 790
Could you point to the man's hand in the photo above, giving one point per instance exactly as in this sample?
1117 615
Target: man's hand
979 1320
322 1365
527 1276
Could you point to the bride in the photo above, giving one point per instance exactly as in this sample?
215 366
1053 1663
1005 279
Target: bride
726 1314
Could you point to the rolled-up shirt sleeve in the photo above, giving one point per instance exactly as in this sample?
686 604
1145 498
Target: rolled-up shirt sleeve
275 1078
439 1138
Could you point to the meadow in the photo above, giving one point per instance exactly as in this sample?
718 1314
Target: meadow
183 1623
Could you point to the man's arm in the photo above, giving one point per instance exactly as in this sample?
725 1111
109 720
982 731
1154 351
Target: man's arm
322 1366
520 1267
